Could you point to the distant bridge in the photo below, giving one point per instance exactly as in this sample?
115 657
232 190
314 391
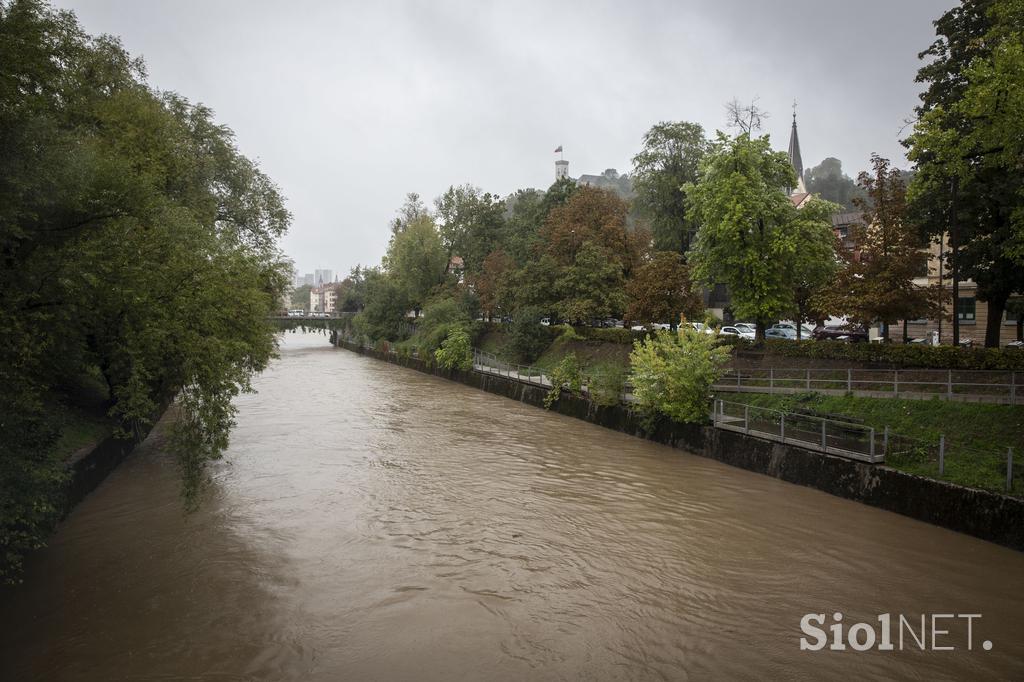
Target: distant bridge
310 322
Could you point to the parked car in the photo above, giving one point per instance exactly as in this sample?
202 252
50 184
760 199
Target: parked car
701 327
296 312
805 331
780 333
737 331
746 326
846 332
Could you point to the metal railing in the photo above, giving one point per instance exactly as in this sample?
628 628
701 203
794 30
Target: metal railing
831 436
988 386
492 364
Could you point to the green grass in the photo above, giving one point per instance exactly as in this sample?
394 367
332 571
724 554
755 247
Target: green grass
977 435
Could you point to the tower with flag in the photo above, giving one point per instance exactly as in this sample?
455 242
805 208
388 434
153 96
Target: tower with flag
561 166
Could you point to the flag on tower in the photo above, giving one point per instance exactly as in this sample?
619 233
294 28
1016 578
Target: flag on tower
558 150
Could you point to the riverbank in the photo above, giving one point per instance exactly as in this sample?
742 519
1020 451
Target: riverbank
989 516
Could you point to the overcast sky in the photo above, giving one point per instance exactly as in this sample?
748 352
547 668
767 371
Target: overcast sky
348 106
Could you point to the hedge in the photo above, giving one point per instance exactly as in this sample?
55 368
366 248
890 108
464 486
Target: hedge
899 354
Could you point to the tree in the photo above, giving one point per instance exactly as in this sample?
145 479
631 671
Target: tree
138 245
416 259
300 296
591 287
672 373
968 181
878 284
828 181
661 289
491 282
387 302
746 118
471 224
752 238
412 210
598 216
670 158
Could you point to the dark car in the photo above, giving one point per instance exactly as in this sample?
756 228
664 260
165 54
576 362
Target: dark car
845 332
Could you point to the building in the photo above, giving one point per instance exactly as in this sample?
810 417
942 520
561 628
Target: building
610 179
324 299
321 277
972 313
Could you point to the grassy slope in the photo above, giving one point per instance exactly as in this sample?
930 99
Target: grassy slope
977 435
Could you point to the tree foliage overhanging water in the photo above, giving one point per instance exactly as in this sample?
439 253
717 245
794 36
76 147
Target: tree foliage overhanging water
139 248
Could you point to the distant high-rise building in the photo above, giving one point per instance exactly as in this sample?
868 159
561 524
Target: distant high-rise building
321 277
307 280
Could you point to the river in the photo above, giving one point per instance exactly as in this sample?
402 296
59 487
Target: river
370 522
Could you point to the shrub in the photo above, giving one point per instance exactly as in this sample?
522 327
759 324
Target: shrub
672 374
529 338
566 375
605 385
455 352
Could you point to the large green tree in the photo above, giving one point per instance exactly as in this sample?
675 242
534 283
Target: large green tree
968 182
416 260
138 245
751 237
670 158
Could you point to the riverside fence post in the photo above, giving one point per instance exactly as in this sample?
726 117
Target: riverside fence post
1013 388
808 379
782 427
942 454
896 382
949 385
824 438
771 379
849 381
872 450
746 418
1009 469
885 441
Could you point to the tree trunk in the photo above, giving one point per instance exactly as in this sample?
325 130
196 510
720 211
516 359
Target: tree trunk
906 337
885 332
996 307
759 333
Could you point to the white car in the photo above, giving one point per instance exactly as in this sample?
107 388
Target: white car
701 327
805 331
746 326
733 330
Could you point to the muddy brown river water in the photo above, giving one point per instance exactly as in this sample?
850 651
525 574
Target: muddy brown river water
373 523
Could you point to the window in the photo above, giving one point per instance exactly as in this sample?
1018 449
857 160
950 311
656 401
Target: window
965 309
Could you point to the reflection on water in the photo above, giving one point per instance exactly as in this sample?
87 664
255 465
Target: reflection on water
371 522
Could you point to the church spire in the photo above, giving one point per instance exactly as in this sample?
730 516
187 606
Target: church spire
794 154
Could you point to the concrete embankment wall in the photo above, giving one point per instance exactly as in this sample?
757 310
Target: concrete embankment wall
91 465
989 516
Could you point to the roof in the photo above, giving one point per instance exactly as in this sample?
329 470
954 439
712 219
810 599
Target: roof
799 198
849 218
